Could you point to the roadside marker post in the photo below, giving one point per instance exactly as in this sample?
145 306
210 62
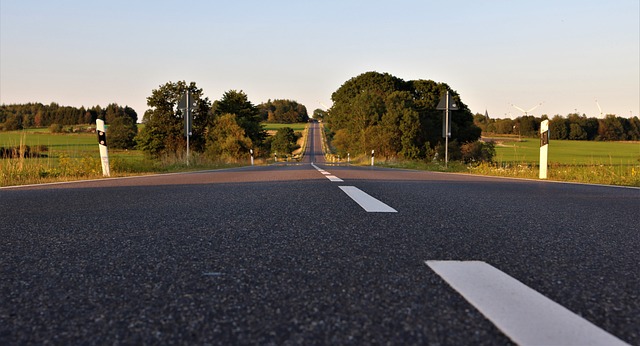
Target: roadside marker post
372 156
544 148
102 144
251 150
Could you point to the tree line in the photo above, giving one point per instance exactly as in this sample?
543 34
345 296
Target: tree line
398 118
122 121
283 112
571 127
21 116
225 129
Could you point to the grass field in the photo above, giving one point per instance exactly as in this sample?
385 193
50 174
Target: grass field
568 152
34 137
274 127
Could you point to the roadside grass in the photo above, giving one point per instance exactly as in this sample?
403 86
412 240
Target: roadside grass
623 175
75 156
607 163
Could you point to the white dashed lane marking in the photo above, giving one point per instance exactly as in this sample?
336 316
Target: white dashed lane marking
521 313
327 174
367 202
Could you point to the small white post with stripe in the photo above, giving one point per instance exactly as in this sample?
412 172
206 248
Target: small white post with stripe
372 156
544 148
102 143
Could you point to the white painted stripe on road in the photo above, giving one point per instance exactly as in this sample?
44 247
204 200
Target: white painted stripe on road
523 314
367 202
328 175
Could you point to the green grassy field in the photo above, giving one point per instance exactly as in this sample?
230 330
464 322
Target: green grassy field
34 137
274 127
568 152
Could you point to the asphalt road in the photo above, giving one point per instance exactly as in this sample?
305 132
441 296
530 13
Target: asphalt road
281 255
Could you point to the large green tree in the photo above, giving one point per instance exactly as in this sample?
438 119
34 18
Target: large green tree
284 141
164 123
247 115
394 117
122 128
611 128
121 133
319 114
226 140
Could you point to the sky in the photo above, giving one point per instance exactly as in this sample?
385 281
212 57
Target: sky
565 54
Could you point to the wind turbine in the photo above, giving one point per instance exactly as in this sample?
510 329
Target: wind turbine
527 111
323 105
600 109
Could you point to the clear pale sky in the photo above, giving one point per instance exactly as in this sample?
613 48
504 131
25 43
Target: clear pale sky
496 53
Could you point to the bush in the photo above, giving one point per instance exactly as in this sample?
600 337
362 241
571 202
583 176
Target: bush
478 152
55 128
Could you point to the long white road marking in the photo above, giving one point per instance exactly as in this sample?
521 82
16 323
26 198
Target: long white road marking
521 313
367 202
327 174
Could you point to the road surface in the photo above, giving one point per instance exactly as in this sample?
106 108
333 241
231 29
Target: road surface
289 254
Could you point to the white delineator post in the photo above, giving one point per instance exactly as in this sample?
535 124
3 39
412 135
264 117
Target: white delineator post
544 148
372 156
251 150
102 143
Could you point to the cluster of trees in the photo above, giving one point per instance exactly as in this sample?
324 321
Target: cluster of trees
122 121
283 112
319 114
396 118
573 127
21 116
224 130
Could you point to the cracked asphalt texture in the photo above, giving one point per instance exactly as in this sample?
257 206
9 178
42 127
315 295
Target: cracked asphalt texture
280 255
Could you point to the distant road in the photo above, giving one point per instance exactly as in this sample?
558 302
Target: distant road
290 254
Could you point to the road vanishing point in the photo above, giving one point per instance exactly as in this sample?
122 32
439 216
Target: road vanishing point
318 253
